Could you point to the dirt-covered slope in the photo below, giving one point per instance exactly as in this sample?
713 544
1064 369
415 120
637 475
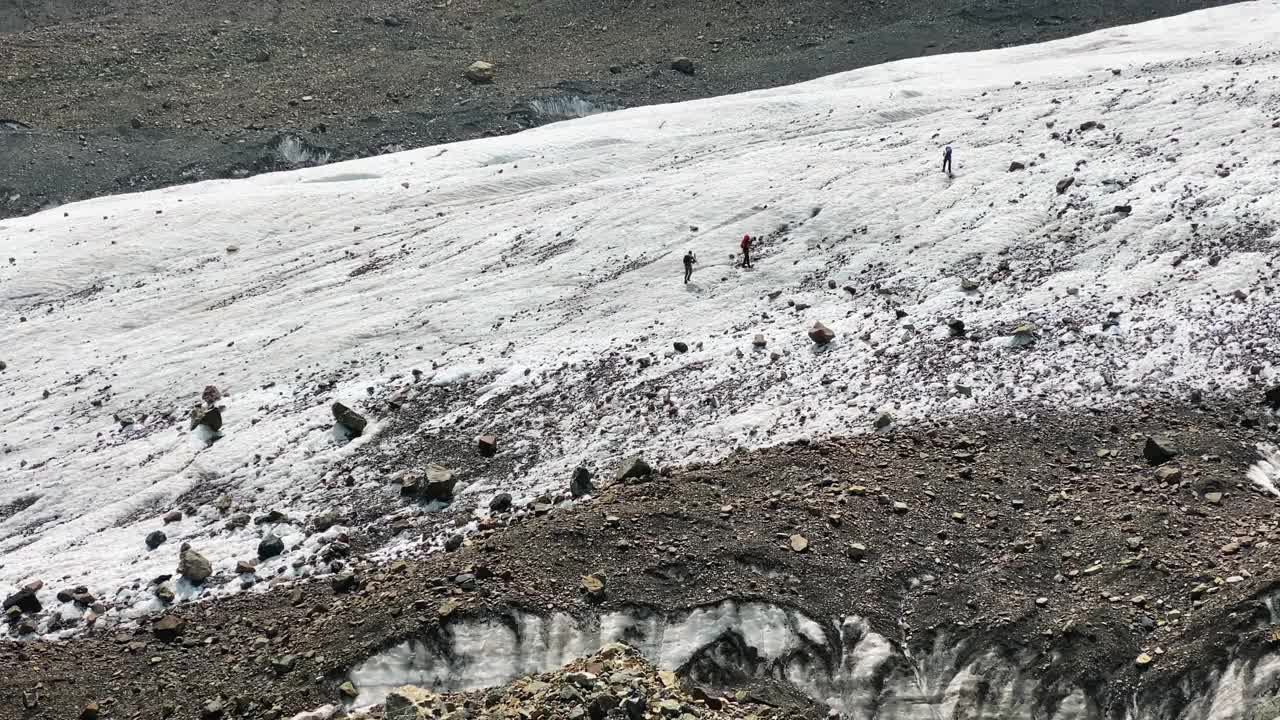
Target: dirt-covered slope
110 96
1054 544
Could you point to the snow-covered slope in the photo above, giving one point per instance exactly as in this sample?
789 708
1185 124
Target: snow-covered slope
537 279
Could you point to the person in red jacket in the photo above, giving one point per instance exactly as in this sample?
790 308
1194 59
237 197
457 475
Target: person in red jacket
746 250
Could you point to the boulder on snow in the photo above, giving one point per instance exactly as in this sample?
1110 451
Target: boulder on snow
500 503
680 347
194 567
682 65
155 539
24 600
1064 184
633 468
210 417
440 483
270 547
955 327
353 421
1016 166
759 341
580 483
821 334
480 72
1025 334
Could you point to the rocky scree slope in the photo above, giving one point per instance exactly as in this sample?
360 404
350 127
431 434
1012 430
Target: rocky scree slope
105 96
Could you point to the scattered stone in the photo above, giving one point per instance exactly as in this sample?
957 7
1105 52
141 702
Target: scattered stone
594 586
1016 166
1230 548
1144 660
246 567
454 543
480 72
1065 184
1042 601
968 284
172 516
155 539
883 420
169 628
682 65
856 551
345 583
821 334
194 567
1123 209
500 503
89 711
348 690
284 664
900 508
212 710
1156 452
487 445
955 327
271 546
798 543
759 342
352 421
447 608
1272 396
324 521
633 468
1168 474
1214 498
580 483
410 703
680 347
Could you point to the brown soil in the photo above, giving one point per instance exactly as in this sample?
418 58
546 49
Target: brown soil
1065 541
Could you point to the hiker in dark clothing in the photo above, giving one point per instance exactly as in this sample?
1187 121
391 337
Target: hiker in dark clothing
746 251
946 159
689 260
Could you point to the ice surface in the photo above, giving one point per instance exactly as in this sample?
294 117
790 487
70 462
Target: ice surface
534 271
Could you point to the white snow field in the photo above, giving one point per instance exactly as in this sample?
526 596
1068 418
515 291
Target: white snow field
536 281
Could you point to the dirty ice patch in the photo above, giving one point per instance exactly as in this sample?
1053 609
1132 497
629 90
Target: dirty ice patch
1265 473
